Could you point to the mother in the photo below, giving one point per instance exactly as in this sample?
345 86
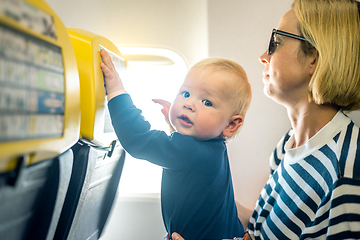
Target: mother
312 68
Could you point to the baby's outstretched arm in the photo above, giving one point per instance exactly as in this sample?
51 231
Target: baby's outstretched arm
114 85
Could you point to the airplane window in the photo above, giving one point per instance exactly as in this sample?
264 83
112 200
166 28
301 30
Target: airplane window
151 73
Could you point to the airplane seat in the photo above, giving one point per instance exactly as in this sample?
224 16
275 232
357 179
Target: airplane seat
31 198
39 118
98 156
91 192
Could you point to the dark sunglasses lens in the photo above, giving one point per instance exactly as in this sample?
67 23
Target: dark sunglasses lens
271 48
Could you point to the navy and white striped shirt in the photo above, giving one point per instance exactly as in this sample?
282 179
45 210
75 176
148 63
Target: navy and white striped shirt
314 190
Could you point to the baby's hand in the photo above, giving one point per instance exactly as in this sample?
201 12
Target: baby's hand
114 85
166 109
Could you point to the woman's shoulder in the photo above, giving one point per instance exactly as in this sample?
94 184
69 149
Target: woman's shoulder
348 142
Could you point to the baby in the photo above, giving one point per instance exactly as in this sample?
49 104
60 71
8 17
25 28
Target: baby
197 197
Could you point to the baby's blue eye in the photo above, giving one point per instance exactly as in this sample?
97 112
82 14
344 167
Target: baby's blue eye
207 103
186 94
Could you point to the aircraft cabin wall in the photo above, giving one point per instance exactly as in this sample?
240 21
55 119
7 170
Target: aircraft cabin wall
180 26
239 30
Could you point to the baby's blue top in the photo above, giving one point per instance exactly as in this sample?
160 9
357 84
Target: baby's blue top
197 197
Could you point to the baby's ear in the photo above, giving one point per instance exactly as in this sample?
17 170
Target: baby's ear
235 123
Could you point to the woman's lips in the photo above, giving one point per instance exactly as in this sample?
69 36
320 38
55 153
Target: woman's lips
265 76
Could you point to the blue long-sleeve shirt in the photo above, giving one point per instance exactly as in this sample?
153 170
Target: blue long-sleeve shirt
197 197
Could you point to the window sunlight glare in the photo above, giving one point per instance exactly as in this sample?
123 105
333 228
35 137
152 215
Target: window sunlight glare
151 73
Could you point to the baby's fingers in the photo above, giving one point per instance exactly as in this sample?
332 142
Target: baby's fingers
108 74
107 59
162 102
107 66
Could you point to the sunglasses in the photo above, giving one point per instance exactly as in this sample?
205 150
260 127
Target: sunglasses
273 45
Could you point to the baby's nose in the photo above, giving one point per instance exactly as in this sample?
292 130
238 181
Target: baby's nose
189 106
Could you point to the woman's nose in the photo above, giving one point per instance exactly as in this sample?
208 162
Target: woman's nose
264 58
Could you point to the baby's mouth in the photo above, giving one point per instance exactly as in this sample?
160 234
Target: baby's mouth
185 119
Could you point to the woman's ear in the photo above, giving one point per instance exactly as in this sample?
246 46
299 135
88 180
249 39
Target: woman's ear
235 123
314 61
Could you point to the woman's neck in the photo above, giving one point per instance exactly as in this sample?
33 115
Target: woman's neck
306 121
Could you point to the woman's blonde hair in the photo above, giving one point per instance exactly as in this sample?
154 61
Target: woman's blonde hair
239 92
332 28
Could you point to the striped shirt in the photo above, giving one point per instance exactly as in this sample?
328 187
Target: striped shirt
314 190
